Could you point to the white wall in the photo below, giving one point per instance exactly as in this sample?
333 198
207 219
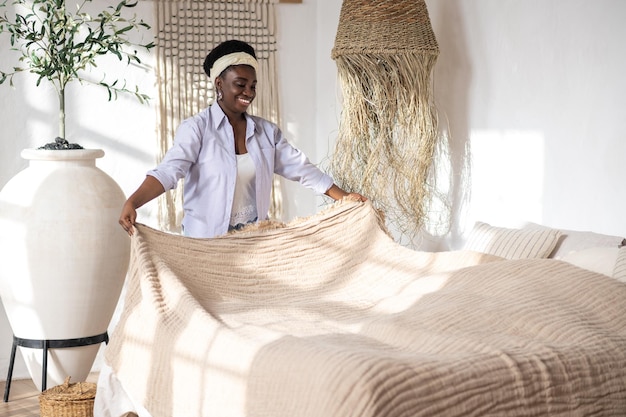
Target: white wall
533 91
537 90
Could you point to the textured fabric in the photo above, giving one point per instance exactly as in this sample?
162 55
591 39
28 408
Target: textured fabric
328 316
236 58
512 243
204 154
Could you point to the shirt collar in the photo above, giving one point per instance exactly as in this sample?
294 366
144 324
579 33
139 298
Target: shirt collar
219 118
217 115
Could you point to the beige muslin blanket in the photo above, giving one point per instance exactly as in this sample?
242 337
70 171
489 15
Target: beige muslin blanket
329 317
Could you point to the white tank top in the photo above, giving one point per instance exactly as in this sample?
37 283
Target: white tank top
244 202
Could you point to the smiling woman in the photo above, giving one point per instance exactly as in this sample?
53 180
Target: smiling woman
183 34
227 156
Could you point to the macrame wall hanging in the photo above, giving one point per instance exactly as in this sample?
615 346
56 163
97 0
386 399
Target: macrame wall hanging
385 51
186 31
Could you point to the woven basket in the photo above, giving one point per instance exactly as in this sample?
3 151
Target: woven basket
68 400
384 27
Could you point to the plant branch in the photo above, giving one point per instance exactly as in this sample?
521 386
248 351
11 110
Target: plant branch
58 45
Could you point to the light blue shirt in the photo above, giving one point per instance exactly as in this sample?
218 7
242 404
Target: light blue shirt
204 154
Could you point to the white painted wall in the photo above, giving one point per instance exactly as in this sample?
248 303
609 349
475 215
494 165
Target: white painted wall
537 90
534 94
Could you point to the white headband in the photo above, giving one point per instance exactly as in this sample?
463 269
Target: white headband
236 58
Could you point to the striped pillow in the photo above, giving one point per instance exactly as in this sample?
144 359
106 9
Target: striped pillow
619 272
512 243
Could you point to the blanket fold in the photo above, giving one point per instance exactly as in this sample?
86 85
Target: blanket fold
328 316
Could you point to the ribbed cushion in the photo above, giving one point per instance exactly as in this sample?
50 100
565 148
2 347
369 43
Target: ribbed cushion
619 272
512 243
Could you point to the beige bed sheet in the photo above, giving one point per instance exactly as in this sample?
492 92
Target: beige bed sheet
329 317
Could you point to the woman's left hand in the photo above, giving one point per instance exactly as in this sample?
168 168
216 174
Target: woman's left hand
337 193
356 196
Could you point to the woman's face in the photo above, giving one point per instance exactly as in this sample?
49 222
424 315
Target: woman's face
238 87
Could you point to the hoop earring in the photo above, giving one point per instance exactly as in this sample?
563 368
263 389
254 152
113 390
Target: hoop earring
220 96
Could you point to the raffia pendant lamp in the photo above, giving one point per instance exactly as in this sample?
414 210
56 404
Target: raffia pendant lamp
385 51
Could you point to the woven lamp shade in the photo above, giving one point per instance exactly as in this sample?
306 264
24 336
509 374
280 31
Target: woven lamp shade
385 52
384 26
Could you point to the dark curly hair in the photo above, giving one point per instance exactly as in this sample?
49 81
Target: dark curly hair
225 48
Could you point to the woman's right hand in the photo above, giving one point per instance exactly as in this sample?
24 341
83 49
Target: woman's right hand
149 189
128 217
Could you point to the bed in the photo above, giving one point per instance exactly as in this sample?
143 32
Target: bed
328 316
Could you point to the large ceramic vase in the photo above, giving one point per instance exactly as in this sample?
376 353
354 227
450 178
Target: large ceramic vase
63 257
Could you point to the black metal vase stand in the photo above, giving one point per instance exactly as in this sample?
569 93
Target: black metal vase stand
45 345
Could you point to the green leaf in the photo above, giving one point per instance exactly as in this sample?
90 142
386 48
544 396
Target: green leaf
123 30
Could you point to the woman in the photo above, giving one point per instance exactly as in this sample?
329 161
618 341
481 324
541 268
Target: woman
227 156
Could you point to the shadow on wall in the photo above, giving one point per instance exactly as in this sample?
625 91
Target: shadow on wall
452 78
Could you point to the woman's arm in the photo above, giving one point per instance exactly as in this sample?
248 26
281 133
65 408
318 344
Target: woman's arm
150 189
